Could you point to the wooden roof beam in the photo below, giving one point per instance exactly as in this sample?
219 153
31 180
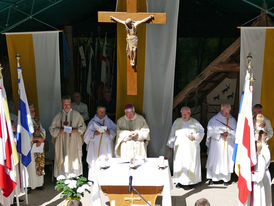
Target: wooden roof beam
226 68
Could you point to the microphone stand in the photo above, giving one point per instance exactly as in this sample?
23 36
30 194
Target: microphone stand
140 195
130 188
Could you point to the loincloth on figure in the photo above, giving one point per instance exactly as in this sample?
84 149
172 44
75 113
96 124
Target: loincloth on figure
132 41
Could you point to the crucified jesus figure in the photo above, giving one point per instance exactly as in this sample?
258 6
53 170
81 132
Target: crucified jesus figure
132 39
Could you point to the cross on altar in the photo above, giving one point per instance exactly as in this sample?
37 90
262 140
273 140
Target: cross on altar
132 198
131 19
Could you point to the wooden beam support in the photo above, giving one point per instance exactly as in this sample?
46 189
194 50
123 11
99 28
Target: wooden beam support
104 16
226 68
263 20
207 72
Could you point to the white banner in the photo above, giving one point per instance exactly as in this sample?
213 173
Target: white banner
161 43
47 63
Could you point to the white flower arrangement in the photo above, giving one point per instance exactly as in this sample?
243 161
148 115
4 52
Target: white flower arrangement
72 187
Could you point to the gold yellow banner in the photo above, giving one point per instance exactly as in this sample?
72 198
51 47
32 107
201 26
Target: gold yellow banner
267 91
22 44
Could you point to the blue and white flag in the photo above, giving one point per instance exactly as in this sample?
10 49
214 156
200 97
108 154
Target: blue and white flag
24 126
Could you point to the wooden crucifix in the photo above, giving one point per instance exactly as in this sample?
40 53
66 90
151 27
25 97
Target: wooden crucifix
131 19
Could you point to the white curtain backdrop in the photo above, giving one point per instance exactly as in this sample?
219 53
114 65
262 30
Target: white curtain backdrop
47 63
161 42
252 41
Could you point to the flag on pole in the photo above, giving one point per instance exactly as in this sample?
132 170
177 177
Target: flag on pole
24 125
244 154
8 153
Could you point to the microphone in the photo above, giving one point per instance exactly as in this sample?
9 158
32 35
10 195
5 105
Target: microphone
130 184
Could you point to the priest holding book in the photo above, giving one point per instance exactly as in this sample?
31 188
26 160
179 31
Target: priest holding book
99 138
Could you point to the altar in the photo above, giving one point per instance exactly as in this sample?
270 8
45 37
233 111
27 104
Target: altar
147 178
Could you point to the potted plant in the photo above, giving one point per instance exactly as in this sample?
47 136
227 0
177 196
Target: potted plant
72 187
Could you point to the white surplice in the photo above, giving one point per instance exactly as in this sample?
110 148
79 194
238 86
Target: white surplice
262 180
99 145
187 161
219 162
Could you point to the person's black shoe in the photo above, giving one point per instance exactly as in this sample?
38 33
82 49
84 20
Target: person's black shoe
20 200
226 183
211 182
29 190
188 187
179 185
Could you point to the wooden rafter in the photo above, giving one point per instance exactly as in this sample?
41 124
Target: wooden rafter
214 66
223 63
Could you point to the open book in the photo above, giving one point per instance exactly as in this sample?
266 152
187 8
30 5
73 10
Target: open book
100 129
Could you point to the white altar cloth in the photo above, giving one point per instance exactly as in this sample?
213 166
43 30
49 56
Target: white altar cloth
147 173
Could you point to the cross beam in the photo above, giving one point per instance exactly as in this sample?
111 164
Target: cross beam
104 16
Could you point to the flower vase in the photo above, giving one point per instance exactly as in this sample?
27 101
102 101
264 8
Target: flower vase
67 200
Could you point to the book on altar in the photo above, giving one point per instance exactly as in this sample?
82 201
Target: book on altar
100 129
36 149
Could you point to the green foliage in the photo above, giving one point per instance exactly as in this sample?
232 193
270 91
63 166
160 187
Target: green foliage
72 187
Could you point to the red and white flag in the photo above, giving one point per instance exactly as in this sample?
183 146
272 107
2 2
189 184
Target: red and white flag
244 154
8 152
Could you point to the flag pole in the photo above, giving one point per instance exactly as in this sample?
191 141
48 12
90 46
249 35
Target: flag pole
18 184
17 198
24 168
26 188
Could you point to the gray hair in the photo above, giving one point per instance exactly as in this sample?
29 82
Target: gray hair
74 203
101 106
225 106
202 202
185 108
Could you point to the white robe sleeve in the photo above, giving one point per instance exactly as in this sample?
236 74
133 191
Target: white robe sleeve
54 128
172 136
112 129
143 133
269 129
232 132
212 132
199 132
122 135
260 172
81 126
89 134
